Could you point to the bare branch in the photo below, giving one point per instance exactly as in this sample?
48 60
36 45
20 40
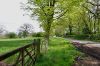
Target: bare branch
62 14
89 10
94 4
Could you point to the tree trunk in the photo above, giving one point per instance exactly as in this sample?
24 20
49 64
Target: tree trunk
49 21
70 29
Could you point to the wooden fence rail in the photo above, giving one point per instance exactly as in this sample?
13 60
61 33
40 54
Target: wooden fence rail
23 56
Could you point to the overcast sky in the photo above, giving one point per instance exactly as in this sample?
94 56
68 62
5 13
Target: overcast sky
11 15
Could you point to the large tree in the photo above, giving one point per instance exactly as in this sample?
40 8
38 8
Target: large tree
44 9
25 29
49 11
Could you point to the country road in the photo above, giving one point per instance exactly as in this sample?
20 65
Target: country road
92 51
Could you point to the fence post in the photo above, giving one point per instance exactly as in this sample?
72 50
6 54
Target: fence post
37 45
22 55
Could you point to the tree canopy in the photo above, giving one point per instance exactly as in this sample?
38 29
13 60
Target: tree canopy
50 12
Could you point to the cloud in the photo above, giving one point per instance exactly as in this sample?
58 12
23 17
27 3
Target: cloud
11 15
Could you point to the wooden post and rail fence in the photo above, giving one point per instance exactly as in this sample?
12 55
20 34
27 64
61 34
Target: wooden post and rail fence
23 56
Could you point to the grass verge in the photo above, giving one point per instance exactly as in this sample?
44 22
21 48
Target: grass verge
60 53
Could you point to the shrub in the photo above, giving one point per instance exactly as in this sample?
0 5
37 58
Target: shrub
95 37
11 35
86 30
39 34
81 36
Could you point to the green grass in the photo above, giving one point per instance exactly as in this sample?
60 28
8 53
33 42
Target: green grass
11 44
60 53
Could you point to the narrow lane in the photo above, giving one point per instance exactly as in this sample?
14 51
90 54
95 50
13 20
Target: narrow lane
92 51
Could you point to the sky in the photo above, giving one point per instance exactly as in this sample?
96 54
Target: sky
11 16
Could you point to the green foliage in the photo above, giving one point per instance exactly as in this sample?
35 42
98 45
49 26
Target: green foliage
71 18
86 30
83 21
11 35
51 11
20 34
81 36
95 37
39 34
44 9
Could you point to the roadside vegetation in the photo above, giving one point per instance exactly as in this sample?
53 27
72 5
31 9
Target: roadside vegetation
78 19
60 52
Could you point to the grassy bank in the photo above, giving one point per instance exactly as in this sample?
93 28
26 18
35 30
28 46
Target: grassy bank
60 53
10 44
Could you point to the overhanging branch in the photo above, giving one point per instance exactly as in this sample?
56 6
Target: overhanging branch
94 4
89 10
62 14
